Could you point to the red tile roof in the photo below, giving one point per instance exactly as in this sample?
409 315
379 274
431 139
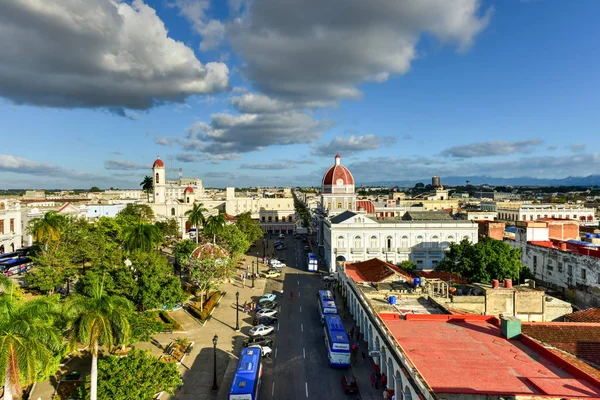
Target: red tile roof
367 205
444 276
580 339
373 270
589 315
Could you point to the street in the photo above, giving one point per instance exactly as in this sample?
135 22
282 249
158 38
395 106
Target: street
299 368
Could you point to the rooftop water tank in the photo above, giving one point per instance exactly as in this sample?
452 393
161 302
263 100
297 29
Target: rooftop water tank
417 281
392 300
597 235
589 236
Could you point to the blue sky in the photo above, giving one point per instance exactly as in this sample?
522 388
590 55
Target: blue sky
265 93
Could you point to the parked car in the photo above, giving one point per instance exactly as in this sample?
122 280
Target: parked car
267 312
278 243
265 351
306 248
270 304
261 330
281 236
260 340
281 247
267 297
264 321
330 278
349 384
271 274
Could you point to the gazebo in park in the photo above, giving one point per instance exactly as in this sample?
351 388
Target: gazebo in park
209 250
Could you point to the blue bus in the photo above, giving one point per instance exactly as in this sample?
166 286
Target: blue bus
313 262
15 266
326 304
247 378
336 342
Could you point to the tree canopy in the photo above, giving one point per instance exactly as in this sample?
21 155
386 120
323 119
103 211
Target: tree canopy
234 241
486 260
249 227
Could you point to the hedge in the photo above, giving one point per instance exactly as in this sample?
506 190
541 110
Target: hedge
203 314
170 323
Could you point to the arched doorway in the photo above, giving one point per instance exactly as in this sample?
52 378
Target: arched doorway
340 258
2 249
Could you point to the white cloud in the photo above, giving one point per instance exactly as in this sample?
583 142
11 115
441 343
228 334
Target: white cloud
349 145
270 166
18 165
125 165
316 50
97 53
577 147
211 30
491 148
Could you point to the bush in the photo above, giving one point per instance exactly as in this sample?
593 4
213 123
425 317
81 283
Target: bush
203 314
169 321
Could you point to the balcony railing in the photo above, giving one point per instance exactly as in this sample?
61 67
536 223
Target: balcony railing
357 250
373 250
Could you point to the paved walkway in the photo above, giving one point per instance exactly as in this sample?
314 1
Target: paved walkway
197 367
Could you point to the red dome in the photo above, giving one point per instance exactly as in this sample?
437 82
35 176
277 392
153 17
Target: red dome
337 172
188 189
158 163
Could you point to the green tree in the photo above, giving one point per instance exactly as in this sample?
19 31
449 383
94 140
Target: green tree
54 268
147 185
209 272
408 265
196 217
234 241
142 237
95 189
137 376
250 227
183 250
98 320
135 213
488 259
48 228
214 226
169 227
28 339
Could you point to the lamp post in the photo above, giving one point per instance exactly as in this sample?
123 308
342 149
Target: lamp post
237 311
253 272
214 386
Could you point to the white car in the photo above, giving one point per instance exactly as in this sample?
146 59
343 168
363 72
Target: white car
265 351
330 278
261 330
266 312
267 297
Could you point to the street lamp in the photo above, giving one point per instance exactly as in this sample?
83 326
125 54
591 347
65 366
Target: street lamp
237 311
253 272
214 386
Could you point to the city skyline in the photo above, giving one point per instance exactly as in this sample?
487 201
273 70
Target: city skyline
258 94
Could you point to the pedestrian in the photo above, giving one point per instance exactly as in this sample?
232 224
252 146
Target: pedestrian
386 395
246 308
383 381
364 356
372 379
243 282
377 379
291 295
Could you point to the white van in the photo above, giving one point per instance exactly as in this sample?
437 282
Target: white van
281 236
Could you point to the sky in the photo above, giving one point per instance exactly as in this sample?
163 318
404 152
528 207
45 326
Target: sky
242 92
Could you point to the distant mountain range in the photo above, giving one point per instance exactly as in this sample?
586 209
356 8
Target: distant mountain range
591 180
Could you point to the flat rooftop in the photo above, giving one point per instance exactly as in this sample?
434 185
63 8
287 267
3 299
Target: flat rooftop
467 355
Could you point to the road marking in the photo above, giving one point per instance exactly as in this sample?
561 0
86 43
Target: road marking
306 386
275 352
303 352
298 282
273 389
302 327
300 307
278 327
298 294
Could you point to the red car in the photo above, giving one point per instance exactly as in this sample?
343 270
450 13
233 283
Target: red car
349 384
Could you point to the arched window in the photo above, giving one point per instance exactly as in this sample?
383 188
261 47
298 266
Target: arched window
435 239
2 249
373 242
12 247
389 242
450 239
157 180
173 211
357 242
419 240
466 237
187 199
340 242
404 242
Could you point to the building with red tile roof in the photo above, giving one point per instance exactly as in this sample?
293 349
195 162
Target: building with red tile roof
589 315
375 270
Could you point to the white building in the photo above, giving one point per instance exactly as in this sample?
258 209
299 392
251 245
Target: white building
347 235
275 215
533 212
10 226
571 266
109 210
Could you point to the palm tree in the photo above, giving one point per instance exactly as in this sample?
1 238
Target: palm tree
28 339
47 228
215 225
142 237
98 320
147 185
196 217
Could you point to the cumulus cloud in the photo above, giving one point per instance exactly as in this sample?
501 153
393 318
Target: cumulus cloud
125 165
269 166
321 51
18 165
97 53
491 148
211 30
577 147
349 145
205 157
234 134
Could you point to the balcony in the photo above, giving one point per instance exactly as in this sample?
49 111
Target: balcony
356 250
373 250
387 250
403 249
340 250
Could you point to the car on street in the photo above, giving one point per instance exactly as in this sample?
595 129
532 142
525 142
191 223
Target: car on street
267 297
330 278
265 351
349 384
267 312
260 340
261 330
270 304
278 243
264 321
281 236
271 274
281 247
306 248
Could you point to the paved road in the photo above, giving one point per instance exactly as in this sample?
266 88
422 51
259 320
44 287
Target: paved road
300 369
